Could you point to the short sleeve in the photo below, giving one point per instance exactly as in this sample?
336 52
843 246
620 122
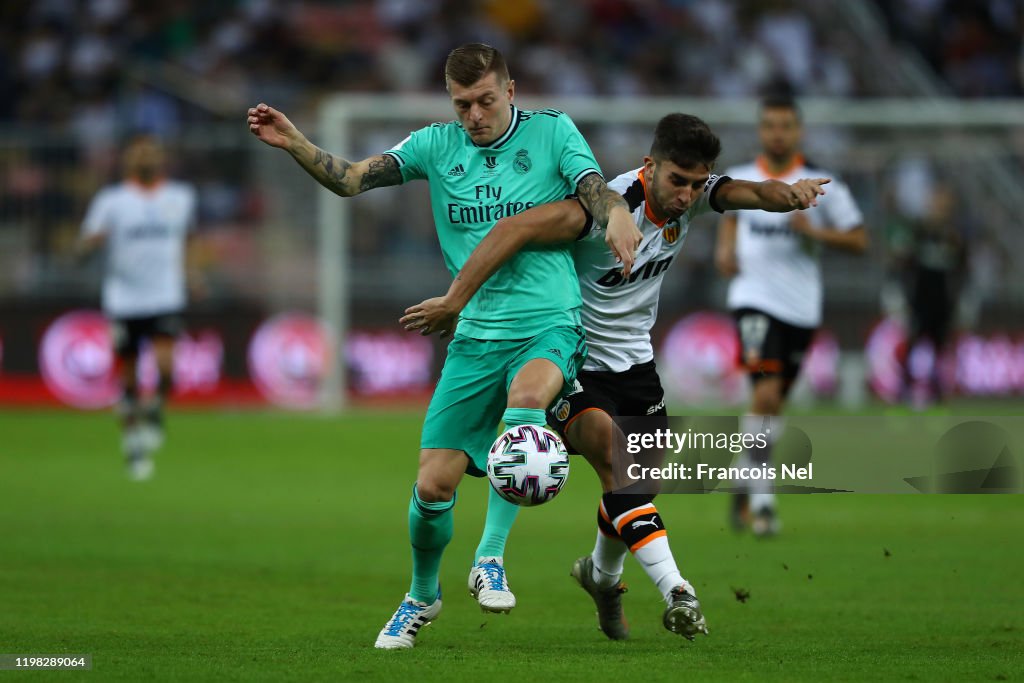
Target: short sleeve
841 210
413 154
97 217
708 197
577 160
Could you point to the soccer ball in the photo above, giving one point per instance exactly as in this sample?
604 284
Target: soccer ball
528 465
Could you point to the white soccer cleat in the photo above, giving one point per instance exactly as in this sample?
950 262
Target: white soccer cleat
765 523
401 630
140 467
489 585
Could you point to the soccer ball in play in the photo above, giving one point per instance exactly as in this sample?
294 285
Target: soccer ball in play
528 465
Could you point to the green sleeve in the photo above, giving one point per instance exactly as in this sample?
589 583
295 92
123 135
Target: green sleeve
577 161
413 154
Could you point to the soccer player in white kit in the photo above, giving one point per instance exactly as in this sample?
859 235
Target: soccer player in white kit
619 377
776 290
144 223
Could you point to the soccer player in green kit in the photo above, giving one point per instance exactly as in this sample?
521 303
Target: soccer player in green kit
519 343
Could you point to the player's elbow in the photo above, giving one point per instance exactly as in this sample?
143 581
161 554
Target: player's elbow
568 222
516 232
343 188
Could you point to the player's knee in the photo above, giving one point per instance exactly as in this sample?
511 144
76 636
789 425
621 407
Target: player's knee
595 445
529 397
601 461
768 397
433 491
767 405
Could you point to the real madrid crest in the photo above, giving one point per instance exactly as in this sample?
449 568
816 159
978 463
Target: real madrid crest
522 163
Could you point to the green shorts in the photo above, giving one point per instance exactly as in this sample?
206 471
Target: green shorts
472 393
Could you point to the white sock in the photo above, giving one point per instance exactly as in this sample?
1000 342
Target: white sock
769 427
762 500
656 559
609 556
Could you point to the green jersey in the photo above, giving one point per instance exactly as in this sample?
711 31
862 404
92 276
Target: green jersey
539 159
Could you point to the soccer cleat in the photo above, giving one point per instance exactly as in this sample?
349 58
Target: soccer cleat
401 630
489 585
683 615
140 467
610 618
765 522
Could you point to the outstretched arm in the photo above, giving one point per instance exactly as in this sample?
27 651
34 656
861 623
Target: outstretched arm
780 197
343 177
770 195
611 212
725 246
545 224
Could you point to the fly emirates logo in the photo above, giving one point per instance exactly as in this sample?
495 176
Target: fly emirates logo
488 207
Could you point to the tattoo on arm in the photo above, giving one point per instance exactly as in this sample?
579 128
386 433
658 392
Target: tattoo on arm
598 199
339 176
382 171
331 171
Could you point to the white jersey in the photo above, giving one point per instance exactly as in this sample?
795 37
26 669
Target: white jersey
145 232
618 312
778 268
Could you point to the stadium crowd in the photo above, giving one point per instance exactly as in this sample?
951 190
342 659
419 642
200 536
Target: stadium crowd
86 71
95 64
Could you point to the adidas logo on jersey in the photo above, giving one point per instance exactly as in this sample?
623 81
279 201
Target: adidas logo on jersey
457 170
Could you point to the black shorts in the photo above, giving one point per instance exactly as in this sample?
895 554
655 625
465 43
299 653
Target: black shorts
128 333
636 392
770 347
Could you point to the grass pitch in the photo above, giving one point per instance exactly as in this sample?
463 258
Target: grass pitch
274 547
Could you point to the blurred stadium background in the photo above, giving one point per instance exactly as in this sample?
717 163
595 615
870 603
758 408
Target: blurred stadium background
905 99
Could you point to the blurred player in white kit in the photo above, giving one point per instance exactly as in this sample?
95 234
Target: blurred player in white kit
776 291
143 223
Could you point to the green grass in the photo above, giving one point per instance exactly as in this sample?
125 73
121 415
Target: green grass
273 547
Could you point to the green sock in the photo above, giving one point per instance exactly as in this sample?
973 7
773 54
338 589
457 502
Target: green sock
514 417
430 529
501 515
